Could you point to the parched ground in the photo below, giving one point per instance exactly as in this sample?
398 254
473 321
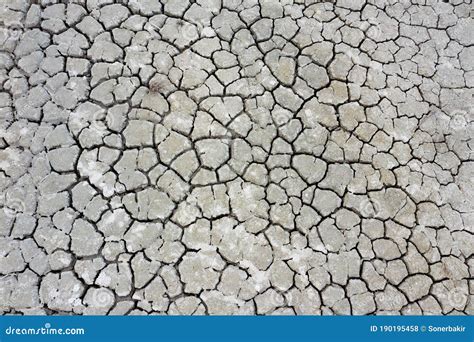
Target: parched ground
236 157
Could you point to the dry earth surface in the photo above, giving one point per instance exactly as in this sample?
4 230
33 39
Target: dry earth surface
236 157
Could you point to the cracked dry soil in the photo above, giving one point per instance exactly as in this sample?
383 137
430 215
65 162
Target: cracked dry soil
236 157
